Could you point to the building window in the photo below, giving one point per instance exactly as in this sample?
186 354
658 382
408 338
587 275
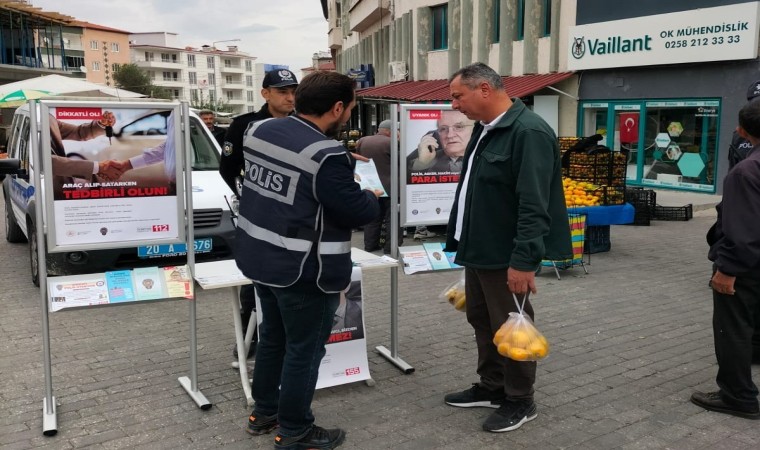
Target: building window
96 66
94 45
194 96
338 13
440 25
496 20
175 94
210 62
249 95
152 75
227 63
165 57
547 17
192 77
230 95
520 20
249 80
212 79
170 76
149 56
248 65
191 60
229 79
115 47
212 96
115 67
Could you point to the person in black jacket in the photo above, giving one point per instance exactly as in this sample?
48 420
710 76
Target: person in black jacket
735 251
739 147
278 89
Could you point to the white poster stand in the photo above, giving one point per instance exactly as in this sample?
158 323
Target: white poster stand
90 287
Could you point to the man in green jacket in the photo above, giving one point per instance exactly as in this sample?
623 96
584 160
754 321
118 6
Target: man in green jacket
508 214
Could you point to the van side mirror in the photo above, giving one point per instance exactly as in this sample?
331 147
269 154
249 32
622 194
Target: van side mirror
10 166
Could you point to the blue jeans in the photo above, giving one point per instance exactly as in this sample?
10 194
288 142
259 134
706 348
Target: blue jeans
292 339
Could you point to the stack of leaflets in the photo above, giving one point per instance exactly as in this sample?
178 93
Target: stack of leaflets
427 257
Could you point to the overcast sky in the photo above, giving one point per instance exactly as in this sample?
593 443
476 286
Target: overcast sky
275 31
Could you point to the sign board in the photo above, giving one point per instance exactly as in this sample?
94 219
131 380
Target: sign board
433 141
662 140
116 185
708 34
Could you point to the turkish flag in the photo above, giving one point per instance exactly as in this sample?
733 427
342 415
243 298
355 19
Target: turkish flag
629 127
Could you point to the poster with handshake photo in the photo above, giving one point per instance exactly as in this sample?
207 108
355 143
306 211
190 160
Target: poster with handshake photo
114 173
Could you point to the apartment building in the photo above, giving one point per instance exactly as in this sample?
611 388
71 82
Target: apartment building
412 46
198 75
104 50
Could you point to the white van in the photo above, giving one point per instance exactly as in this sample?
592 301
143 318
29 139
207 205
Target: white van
214 229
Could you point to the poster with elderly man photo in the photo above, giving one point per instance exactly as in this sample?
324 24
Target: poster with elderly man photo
433 140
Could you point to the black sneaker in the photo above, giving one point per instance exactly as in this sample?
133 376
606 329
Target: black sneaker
510 416
712 401
260 424
474 397
251 351
315 438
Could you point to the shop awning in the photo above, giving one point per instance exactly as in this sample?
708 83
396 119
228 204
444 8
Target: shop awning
438 90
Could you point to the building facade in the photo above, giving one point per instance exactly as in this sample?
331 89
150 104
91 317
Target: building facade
104 50
414 40
202 76
664 81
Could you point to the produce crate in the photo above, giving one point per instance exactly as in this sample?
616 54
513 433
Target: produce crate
565 143
611 195
599 166
676 213
597 239
643 202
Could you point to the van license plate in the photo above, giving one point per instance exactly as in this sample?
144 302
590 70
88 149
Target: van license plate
204 245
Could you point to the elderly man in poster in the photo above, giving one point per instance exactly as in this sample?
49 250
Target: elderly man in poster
442 149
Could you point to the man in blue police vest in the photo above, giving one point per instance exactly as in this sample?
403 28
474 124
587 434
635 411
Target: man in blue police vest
299 204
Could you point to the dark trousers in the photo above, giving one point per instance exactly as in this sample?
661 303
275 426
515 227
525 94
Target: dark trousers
293 334
735 319
373 230
247 306
489 303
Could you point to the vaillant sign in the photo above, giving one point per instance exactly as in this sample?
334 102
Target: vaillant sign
708 34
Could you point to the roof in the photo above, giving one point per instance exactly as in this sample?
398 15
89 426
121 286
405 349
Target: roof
94 26
37 15
438 90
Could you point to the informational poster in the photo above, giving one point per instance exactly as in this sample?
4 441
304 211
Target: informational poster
427 257
433 142
148 283
345 359
114 173
120 287
178 282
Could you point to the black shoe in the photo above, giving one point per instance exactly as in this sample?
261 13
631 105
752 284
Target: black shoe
476 396
251 351
316 438
260 424
510 416
712 401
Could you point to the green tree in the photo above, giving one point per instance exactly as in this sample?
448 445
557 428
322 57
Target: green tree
204 102
132 78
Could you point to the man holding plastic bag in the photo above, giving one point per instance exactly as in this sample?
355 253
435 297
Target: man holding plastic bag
508 214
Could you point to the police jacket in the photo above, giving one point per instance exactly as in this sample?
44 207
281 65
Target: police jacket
299 204
738 150
514 209
231 164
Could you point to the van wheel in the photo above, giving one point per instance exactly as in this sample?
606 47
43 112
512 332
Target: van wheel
33 259
13 232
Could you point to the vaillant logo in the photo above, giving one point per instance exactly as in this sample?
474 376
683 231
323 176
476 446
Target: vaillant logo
613 44
579 47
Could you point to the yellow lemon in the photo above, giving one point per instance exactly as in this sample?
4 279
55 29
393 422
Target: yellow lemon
538 349
518 354
519 338
503 349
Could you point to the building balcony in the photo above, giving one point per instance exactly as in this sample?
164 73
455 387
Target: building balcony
364 13
157 64
169 83
231 69
235 100
234 85
335 38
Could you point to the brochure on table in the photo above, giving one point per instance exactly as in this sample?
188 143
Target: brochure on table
133 195
433 141
426 258
119 287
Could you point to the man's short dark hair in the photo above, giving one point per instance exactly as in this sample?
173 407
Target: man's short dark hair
206 112
474 74
749 118
320 91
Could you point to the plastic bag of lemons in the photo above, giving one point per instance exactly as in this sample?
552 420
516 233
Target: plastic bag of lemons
518 338
455 295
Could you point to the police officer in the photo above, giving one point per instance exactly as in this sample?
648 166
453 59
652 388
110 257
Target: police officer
278 89
297 209
739 147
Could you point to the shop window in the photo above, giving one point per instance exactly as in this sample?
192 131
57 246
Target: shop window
547 17
440 24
